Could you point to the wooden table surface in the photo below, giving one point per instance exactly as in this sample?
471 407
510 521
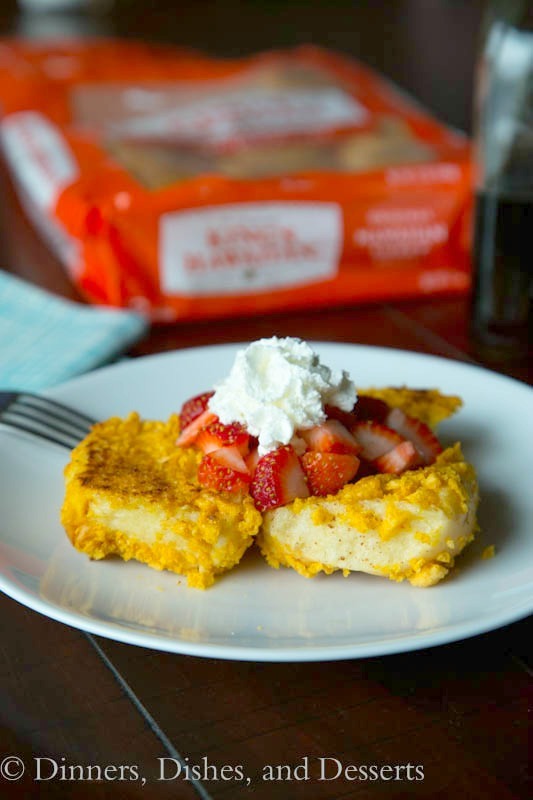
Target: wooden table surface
458 711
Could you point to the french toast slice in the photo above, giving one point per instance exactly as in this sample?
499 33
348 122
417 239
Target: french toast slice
132 493
409 526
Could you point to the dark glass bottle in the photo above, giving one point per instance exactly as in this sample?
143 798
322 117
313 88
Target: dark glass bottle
503 229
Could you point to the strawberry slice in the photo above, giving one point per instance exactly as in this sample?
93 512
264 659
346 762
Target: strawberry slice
193 408
330 437
190 432
366 468
251 460
368 407
231 457
328 472
224 470
417 432
346 417
278 479
375 439
219 435
403 456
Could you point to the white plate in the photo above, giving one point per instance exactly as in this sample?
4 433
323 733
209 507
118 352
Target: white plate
254 612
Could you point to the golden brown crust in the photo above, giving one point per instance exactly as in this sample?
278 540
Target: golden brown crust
408 527
404 527
131 492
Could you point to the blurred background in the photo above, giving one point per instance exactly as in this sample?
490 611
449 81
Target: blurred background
428 47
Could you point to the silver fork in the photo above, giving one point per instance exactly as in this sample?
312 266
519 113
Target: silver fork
44 418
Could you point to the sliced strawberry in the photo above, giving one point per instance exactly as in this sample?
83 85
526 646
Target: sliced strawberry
219 435
346 417
278 479
231 457
224 470
375 439
368 407
251 460
403 456
330 437
190 432
366 468
328 472
423 438
193 408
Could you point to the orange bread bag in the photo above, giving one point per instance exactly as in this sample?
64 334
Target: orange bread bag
188 187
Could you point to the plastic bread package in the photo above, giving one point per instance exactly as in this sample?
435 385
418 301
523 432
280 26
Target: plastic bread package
188 187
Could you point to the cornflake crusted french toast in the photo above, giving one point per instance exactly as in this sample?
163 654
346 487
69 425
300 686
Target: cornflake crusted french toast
131 492
407 526
284 450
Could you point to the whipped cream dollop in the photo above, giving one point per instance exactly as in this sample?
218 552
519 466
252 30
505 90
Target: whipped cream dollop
278 386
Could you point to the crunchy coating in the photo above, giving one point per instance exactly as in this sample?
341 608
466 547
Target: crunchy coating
131 492
410 526
404 527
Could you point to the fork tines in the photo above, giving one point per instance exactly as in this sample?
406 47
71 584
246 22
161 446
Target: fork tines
46 418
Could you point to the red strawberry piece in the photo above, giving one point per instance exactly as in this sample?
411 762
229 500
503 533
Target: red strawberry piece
219 435
278 479
366 468
368 407
417 432
251 460
232 457
193 408
328 472
403 456
330 437
346 417
224 470
375 439
190 432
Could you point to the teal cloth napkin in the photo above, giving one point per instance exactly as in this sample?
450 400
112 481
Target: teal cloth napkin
45 340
